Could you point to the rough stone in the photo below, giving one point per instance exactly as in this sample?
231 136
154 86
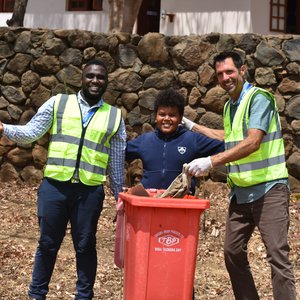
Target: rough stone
5 145
215 99
100 41
49 81
39 155
129 100
265 76
288 85
125 80
293 107
190 113
10 78
19 63
3 102
5 50
291 48
38 63
80 39
5 117
293 164
147 98
136 118
206 74
194 97
71 56
14 111
107 59
188 78
31 175
296 127
249 42
8 172
23 42
19 156
190 55
54 46
13 95
46 65
293 68
268 55
89 53
152 48
226 43
39 96
162 79
30 80
70 75
26 116
127 56
294 184
212 120
280 102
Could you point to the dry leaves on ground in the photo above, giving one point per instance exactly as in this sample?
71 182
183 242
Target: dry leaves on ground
19 234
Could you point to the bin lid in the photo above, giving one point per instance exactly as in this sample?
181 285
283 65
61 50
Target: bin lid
188 201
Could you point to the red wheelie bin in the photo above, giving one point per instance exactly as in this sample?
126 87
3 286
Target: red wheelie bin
159 245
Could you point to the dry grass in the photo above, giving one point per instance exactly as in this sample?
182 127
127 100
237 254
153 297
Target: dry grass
19 233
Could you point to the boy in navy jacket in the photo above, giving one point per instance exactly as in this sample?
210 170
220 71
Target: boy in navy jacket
164 150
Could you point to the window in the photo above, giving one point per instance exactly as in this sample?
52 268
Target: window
284 16
278 15
84 5
7 5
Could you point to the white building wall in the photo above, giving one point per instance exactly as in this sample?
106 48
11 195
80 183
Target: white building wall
201 17
191 16
260 16
53 14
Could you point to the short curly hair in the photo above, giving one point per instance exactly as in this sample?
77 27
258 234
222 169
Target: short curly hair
170 98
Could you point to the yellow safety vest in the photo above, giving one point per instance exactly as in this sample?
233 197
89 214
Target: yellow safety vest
268 162
73 147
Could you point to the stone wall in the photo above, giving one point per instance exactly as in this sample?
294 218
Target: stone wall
38 63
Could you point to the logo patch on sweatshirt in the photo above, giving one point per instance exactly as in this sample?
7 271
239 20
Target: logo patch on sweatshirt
181 149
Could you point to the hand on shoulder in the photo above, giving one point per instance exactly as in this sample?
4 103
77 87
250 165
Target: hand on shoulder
187 123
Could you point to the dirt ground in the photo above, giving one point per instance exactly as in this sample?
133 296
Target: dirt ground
19 233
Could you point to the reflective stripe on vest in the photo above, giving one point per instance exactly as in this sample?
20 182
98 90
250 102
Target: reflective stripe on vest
73 146
268 162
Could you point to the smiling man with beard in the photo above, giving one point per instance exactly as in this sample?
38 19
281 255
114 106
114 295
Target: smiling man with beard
257 175
87 142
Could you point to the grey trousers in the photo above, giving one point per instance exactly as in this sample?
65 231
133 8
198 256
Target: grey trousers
270 214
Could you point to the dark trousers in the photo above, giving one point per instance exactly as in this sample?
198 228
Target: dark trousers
58 204
271 216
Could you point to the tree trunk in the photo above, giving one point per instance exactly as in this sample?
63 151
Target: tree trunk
131 11
115 15
123 14
17 18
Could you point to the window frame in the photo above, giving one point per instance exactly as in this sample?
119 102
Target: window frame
4 4
88 5
275 6
97 5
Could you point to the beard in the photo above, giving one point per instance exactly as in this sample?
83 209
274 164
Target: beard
93 96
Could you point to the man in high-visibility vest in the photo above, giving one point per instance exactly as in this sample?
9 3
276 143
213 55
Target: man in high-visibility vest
87 142
255 159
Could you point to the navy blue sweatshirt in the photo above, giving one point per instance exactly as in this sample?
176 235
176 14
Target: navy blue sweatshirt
163 156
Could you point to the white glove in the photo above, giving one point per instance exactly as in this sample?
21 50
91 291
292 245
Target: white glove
187 123
200 166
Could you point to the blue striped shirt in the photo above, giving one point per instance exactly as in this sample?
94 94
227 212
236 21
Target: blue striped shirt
42 122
